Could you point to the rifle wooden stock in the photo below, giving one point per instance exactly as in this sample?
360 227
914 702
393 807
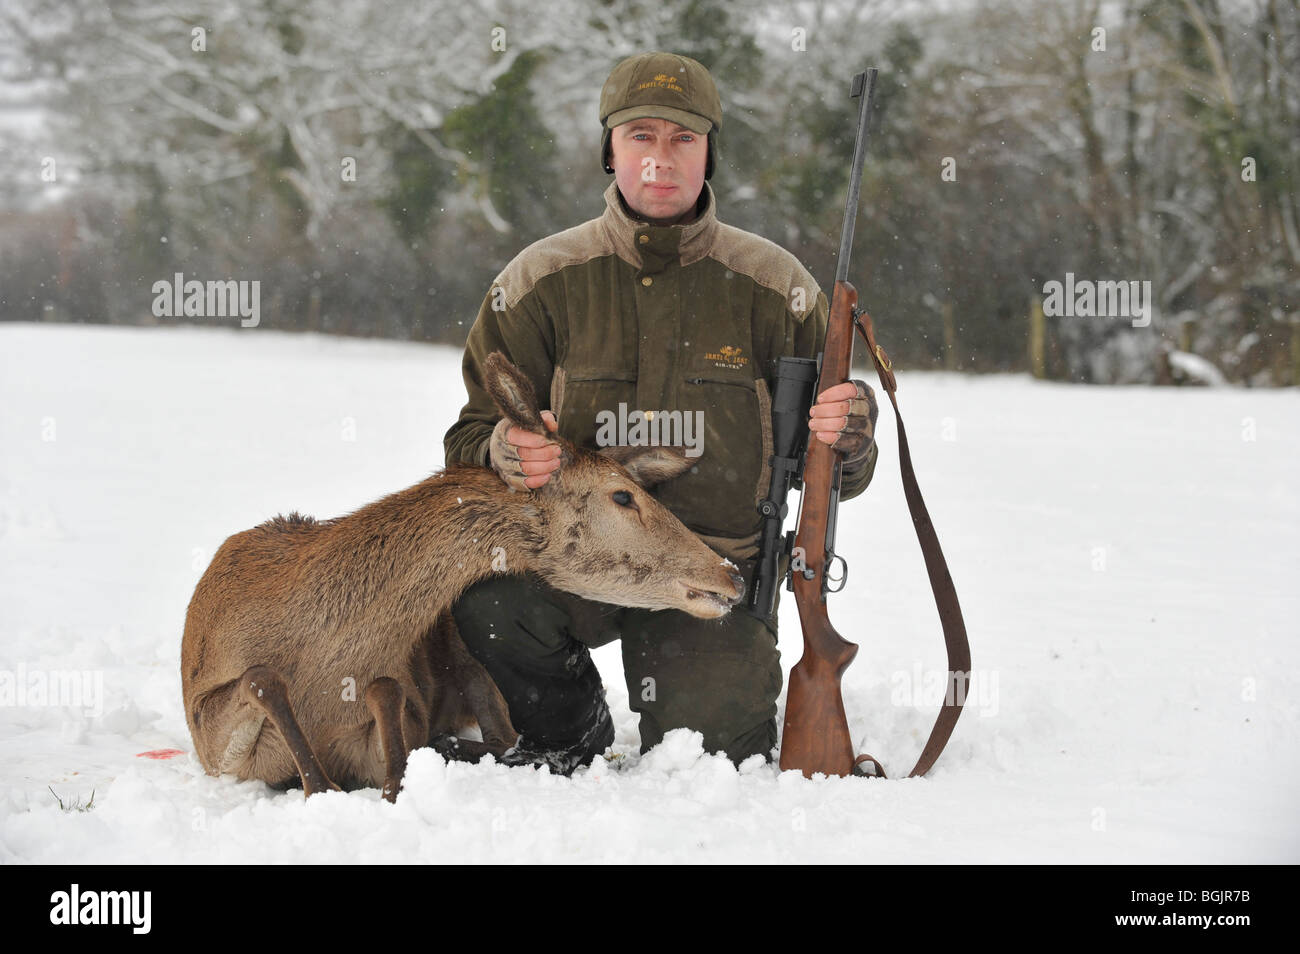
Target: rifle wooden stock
816 734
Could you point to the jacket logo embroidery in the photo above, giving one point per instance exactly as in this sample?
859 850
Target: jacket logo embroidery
728 356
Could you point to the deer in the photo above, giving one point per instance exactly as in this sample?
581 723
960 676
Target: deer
322 652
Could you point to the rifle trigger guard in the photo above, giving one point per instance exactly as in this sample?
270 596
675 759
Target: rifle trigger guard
842 579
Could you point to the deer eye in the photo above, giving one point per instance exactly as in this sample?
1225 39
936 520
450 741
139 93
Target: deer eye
622 498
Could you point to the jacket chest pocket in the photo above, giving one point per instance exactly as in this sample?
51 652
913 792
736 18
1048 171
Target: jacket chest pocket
583 399
721 424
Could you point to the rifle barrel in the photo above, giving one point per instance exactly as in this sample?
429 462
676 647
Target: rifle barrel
866 78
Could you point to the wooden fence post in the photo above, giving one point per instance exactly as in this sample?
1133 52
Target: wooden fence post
1037 339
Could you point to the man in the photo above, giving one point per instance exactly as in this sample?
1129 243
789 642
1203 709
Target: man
654 306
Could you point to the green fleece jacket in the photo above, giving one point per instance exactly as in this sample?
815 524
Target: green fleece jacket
616 316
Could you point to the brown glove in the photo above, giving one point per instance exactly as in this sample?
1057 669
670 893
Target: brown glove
845 418
527 461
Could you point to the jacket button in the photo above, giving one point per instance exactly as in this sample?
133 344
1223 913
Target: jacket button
644 240
647 281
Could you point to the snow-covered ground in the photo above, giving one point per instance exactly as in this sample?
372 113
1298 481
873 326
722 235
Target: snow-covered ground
1126 559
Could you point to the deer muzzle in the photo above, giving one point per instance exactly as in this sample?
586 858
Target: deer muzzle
711 601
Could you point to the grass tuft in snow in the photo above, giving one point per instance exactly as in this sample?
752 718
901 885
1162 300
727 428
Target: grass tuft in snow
73 805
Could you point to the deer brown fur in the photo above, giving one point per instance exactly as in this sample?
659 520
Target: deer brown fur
324 651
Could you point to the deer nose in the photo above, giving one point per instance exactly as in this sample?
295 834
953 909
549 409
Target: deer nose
739 582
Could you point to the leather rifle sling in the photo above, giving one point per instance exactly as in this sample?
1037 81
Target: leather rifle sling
945 594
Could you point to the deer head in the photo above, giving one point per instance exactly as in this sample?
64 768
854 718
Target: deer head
607 538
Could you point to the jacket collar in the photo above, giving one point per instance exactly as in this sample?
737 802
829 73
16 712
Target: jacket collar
688 243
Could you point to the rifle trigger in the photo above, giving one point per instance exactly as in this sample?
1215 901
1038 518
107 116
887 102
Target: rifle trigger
842 579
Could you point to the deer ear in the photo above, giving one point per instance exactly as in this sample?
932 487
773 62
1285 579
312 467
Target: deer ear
650 465
513 394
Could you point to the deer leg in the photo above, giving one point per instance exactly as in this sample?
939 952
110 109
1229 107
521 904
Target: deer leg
483 701
489 708
385 699
453 748
262 687
481 696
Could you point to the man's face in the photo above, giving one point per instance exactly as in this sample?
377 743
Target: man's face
659 167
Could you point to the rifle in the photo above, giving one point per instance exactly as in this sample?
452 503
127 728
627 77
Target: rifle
816 735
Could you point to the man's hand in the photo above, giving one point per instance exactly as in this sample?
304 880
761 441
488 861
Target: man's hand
524 460
845 417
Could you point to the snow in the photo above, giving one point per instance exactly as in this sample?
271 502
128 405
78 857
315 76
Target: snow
1126 560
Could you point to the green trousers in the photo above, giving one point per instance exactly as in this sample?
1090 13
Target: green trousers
719 677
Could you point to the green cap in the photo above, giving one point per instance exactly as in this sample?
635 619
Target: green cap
661 86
